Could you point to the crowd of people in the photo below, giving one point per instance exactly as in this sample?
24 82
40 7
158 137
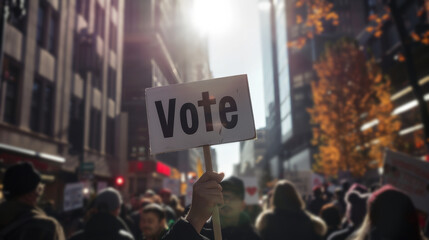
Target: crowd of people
352 212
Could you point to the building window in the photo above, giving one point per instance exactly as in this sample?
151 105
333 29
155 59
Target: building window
113 42
52 33
41 106
95 130
40 25
111 87
11 75
99 21
110 136
19 22
76 125
47 27
82 8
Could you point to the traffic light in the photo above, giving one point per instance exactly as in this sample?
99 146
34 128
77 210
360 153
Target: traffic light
119 181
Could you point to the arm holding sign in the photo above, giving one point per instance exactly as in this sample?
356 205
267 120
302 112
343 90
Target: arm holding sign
206 195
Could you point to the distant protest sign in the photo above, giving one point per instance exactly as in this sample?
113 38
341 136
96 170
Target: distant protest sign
209 112
251 196
304 181
73 196
410 175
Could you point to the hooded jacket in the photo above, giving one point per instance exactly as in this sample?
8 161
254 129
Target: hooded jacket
38 225
104 226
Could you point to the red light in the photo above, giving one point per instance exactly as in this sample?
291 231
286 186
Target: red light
119 181
163 169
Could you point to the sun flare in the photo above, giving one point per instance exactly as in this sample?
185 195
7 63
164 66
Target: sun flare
212 16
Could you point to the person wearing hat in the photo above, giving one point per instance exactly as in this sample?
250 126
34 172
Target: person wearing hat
105 223
20 216
235 223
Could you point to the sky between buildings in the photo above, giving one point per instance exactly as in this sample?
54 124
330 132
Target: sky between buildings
237 50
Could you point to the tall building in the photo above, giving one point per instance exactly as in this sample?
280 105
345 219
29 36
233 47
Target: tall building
289 71
61 92
161 48
287 76
386 49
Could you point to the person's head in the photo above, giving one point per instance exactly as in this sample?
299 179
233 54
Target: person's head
233 197
286 197
23 183
152 220
109 200
358 188
393 213
318 191
165 195
356 207
331 215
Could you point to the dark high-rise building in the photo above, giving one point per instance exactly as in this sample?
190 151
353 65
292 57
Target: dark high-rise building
160 48
60 92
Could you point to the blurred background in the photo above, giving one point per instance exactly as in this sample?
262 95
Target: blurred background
333 83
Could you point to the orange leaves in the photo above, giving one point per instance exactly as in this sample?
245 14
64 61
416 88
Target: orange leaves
423 38
415 36
298 19
318 12
345 98
400 57
378 33
376 22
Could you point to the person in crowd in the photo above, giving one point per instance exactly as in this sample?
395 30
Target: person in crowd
235 223
391 215
165 195
354 216
129 221
339 202
153 222
136 216
20 218
288 217
176 206
318 201
331 215
105 223
207 193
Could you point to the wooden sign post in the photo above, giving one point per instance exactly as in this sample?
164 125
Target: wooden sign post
215 215
202 113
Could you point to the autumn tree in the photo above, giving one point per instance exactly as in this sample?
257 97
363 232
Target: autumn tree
352 111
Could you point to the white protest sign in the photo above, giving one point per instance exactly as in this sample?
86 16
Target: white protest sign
101 186
304 181
188 197
251 195
173 185
410 175
73 196
209 112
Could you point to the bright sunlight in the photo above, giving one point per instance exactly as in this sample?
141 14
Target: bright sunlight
212 16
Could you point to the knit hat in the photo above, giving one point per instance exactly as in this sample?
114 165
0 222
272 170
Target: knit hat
235 185
108 199
20 179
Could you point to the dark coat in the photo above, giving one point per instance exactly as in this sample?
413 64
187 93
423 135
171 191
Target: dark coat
38 226
285 224
104 226
183 230
243 231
